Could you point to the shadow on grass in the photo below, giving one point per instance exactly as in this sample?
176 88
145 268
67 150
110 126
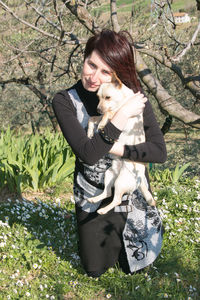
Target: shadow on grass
54 228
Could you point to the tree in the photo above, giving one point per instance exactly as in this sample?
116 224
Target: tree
51 30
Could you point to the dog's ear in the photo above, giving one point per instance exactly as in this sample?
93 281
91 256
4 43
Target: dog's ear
116 81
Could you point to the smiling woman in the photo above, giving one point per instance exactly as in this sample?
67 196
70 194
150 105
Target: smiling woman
95 72
131 234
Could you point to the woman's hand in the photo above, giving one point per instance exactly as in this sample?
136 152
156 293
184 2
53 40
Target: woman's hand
134 106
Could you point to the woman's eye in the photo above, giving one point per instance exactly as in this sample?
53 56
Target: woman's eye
92 65
106 72
107 97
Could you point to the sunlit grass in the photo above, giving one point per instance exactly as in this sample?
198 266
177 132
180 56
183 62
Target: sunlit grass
39 255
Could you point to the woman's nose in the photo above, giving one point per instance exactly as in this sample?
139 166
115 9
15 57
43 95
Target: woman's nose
94 75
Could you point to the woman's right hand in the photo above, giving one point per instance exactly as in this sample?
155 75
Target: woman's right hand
134 105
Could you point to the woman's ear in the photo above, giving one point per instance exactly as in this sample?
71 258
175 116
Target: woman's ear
116 81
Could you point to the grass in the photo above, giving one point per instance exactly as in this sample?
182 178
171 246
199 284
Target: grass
39 257
38 241
180 4
122 6
126 6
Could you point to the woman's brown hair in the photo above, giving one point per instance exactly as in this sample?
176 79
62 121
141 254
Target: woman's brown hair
117 51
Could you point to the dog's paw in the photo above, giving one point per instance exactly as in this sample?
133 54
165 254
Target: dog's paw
100 126
93 200
101 211
152 202
90 200
90 134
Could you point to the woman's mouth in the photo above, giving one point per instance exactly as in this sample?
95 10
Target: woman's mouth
92 85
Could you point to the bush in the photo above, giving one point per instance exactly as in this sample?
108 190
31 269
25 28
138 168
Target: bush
35 161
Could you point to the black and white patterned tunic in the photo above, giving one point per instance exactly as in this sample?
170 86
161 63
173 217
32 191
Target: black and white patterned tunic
130 234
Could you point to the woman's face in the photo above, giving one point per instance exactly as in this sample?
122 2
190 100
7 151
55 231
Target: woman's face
95 72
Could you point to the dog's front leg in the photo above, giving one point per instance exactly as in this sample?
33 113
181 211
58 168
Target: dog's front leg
91 124
107 116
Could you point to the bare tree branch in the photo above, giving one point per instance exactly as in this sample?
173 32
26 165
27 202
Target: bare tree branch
21 51
41 95
43 16
113 11
45 33
6 8
166 102
58 15
189 82
82 15
179 57
132 18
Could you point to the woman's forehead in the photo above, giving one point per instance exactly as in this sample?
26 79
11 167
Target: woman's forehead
96 58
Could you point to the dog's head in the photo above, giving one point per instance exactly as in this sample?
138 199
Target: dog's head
112 95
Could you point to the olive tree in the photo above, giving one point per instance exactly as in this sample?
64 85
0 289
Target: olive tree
42 46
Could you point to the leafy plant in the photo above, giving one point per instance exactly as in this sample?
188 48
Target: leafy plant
178 172
168 176
34 161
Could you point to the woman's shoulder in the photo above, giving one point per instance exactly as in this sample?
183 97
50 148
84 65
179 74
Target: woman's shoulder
63 96
62 101
64 93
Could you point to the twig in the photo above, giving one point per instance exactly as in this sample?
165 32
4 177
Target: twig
71 42
18 55
43 16
191 43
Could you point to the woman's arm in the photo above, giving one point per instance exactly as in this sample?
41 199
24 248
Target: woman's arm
88 150
153 149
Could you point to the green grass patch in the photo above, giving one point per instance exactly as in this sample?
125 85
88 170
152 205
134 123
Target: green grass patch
122 6
39 255
38 235
180 4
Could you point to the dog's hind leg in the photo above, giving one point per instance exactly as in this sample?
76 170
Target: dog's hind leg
109 180
147 195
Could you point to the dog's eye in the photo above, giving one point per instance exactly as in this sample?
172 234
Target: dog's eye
107 97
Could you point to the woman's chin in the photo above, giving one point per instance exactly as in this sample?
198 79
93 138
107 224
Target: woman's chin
90 87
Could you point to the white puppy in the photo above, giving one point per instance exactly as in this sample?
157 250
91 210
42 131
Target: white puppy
126 176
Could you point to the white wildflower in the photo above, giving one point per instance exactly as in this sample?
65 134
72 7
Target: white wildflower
35 266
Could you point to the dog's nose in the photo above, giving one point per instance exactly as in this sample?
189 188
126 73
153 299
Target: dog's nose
99 110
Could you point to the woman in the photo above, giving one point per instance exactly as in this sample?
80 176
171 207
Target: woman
130 234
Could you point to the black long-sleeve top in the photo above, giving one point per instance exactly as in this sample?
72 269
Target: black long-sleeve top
91 150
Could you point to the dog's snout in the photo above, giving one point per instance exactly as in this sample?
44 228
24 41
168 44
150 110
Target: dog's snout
99 110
